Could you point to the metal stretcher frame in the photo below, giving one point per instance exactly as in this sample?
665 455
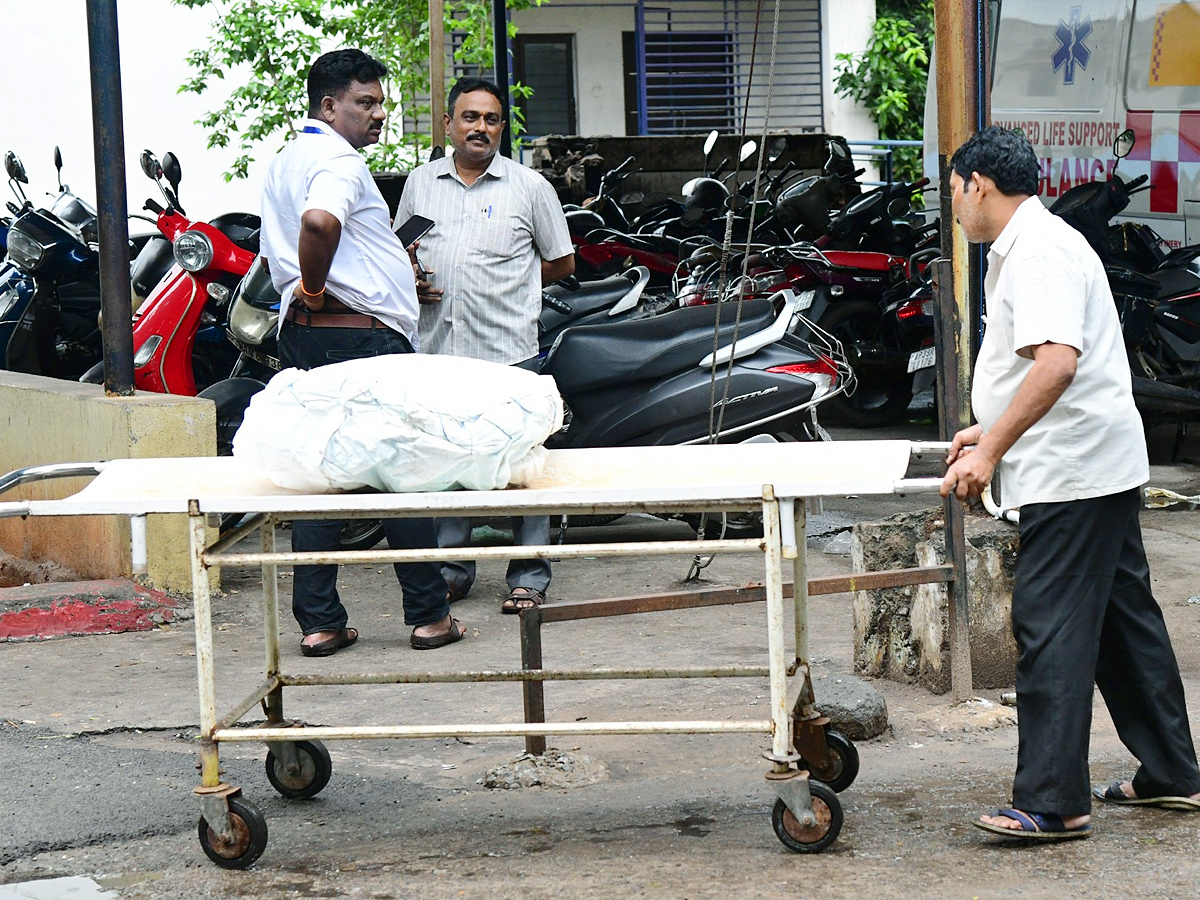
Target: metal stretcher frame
773 478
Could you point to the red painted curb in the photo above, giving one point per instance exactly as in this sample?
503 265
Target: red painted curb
78 608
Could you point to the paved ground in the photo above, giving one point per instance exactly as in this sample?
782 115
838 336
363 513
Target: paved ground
96 742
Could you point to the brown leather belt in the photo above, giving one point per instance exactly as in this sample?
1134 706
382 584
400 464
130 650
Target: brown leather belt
333 318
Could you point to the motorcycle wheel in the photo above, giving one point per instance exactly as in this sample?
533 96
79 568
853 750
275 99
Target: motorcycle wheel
882 394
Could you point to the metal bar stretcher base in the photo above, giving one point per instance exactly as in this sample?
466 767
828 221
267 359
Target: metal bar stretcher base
809 763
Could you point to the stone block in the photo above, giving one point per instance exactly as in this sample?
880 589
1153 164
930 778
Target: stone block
903 633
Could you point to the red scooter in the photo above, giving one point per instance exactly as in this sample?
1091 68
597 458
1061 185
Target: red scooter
179 340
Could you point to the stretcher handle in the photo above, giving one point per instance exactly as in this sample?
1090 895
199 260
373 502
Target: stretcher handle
52 470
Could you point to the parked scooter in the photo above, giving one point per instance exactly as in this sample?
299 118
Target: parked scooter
648 381
50 282
179 338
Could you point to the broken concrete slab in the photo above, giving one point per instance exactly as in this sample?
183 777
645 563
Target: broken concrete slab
35 612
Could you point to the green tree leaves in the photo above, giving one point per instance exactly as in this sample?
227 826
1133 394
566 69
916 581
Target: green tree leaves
258 51
889 77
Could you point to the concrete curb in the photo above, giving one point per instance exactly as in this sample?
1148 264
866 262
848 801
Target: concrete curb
59 609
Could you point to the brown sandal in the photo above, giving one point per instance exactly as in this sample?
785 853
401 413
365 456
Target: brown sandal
521 598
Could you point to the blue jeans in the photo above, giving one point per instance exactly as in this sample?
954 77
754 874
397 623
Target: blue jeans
315 601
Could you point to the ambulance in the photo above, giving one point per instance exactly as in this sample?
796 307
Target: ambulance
1073 75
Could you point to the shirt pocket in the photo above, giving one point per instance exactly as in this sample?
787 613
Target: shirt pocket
499 234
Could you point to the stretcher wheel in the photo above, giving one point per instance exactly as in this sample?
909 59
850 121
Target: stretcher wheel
315 769
814 838
841 766
249 837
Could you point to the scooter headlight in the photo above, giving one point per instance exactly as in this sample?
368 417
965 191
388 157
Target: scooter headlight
26 250
193 251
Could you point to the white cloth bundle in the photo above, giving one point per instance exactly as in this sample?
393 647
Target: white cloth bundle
403 422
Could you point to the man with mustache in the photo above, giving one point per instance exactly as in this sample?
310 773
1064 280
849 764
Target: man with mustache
348 292
499 235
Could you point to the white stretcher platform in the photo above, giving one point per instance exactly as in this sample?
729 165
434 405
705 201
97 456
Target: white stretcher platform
774 479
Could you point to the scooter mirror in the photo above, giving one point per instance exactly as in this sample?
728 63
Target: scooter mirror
150 165
748 149
172 171
710 142
1123 145
437 153
631 197
836 149
15 168
57 158
777 149
737 203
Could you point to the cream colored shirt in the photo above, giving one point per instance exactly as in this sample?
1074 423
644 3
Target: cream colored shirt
1045 284
485 251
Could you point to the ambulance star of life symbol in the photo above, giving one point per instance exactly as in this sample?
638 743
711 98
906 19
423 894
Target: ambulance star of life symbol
1071 49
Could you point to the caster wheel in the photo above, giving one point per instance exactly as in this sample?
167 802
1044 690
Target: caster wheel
314 771
813 838
249 837
841 766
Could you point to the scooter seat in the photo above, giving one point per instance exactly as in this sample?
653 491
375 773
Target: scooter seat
590 297
589 357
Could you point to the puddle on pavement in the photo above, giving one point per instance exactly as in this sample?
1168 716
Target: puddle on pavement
117 882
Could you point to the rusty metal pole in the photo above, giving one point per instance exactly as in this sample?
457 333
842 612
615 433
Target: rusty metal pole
503 73
958 66
437 73
108 136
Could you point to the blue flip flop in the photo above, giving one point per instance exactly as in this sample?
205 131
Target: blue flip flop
1113 794
1035 826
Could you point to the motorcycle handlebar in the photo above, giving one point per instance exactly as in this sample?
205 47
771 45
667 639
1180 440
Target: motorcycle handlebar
153 207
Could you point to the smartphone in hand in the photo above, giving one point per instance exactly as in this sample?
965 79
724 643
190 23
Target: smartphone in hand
413 230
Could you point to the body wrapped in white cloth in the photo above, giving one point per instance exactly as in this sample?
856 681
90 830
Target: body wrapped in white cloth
405 422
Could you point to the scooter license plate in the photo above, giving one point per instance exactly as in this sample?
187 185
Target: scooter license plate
805 300
922 359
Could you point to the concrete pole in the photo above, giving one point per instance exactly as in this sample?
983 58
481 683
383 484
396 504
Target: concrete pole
108 136
437 73
960 112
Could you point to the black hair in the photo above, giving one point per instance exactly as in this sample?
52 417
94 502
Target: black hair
469 85
1003 155
332 73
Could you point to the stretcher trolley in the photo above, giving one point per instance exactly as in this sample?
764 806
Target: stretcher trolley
774 479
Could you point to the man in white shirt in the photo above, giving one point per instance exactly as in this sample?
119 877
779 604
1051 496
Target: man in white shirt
499 235
1051 391
348 292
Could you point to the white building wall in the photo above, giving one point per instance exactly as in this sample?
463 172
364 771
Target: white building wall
599 80
848 26
45 80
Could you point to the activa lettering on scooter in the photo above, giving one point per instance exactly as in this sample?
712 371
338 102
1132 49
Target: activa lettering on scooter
752 395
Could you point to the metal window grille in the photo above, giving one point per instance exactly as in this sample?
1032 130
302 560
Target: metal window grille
694 60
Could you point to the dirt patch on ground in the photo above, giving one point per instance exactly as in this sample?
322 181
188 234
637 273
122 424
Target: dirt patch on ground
555 769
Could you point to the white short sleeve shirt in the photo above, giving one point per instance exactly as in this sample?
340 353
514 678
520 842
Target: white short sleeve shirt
1045 284
371 272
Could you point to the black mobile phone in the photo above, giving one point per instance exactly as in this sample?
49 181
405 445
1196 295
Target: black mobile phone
413 230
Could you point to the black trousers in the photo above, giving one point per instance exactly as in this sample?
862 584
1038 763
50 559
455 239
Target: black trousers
1083 613
315 601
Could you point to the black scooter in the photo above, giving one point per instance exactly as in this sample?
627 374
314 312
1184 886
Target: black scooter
649 381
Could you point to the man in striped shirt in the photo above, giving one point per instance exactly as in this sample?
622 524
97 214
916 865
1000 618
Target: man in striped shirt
499 235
